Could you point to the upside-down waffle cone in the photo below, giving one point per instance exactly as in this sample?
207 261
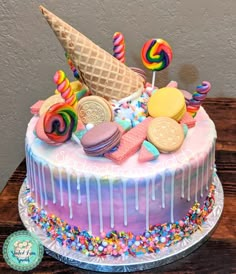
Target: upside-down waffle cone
102 73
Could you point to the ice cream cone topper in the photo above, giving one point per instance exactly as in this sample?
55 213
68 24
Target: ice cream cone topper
102 73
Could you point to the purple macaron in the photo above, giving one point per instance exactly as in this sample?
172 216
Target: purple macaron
101 138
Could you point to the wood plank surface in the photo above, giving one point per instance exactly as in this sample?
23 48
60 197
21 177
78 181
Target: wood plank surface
217 255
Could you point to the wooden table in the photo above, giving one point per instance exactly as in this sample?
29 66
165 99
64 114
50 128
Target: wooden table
218 254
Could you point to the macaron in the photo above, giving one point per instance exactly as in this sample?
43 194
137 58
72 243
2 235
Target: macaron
94 110
101 138
167 102
165 134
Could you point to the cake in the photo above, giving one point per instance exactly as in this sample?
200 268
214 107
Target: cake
102 175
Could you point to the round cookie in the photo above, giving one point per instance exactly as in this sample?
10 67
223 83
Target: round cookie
167 102
166 134
94 110
54 99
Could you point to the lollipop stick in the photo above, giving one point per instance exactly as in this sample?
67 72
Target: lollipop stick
153 78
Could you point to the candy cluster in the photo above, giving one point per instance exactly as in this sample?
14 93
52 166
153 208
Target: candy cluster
133 112
116 243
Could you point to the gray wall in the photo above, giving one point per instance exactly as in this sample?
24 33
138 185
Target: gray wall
202 34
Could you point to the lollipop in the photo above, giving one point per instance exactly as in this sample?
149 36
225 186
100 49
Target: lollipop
119 46
60 121
198 96
64 87
156 55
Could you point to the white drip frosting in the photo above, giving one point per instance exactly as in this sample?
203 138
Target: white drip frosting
100 205
61 190
111 204
40 185
147 204
37 166
125 203
78 189
163 190
172 194
69 193
44 185
88 205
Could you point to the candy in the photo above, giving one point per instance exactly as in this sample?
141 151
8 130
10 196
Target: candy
130 142
119 46
64 87
188 120
156 54
198 96
34 109
148 152
72 67
60 121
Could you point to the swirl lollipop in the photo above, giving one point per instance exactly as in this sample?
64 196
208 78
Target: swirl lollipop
60 121
119 46
197 98
156 55
64 87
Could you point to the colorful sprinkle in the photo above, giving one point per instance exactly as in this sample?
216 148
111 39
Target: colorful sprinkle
116 243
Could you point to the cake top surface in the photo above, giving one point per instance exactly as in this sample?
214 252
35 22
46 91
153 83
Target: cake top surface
71 155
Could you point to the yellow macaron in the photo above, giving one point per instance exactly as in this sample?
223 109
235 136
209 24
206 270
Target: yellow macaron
167 102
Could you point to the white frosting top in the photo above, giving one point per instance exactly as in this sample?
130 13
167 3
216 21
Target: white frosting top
70 155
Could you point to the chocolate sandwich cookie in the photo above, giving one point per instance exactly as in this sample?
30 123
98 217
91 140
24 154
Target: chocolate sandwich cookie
101 138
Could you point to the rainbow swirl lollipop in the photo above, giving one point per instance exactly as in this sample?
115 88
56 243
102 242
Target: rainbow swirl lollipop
60 121
156 54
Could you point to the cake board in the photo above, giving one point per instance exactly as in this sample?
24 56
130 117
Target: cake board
125 263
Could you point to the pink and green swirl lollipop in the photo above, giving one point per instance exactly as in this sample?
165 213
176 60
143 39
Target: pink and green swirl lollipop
60 122
156 55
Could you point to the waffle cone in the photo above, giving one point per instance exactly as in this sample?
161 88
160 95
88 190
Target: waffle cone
102 73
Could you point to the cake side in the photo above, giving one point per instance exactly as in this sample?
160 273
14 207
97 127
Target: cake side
98 195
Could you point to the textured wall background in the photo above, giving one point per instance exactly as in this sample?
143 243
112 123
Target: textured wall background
202 34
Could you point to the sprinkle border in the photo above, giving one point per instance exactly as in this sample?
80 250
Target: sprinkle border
115 243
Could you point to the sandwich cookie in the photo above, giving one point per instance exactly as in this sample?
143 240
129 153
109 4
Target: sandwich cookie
94 110
167 102
165 134
54 99
101 139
